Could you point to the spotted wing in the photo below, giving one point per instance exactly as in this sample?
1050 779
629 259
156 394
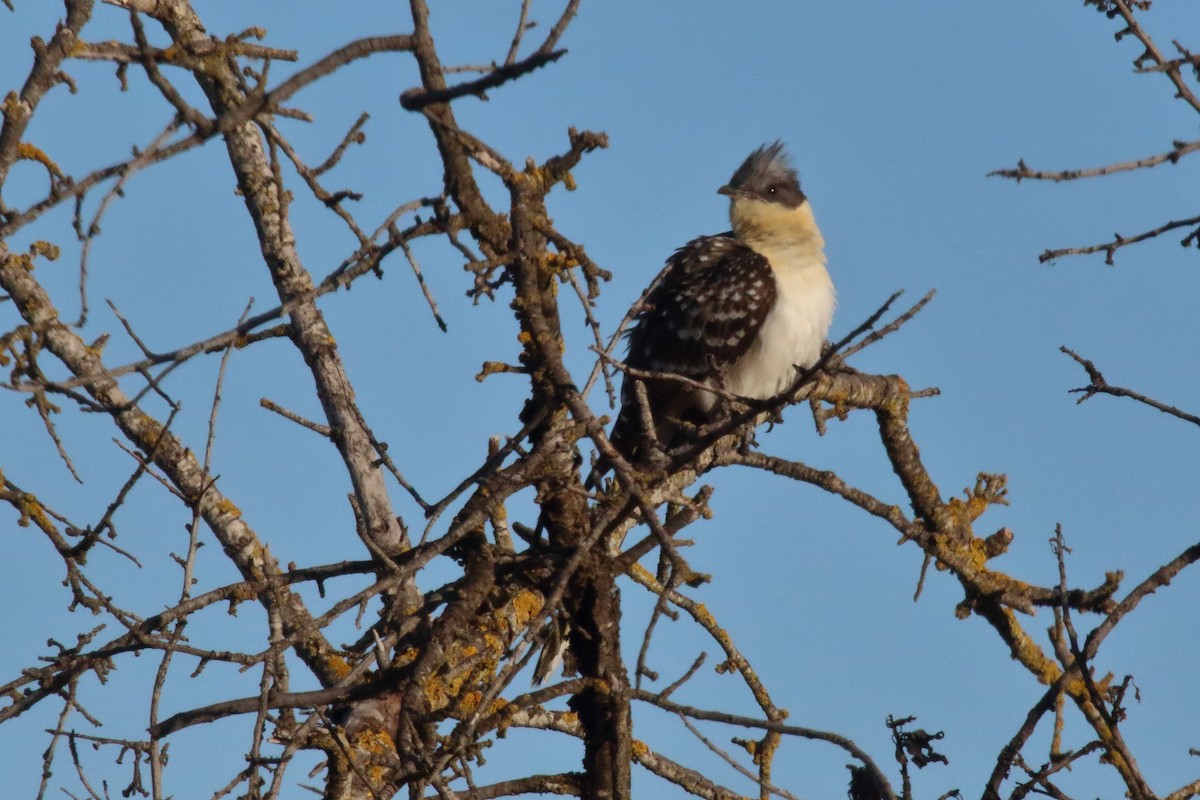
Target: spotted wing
706 313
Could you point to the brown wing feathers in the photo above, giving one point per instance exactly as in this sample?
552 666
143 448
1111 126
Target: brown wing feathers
705 314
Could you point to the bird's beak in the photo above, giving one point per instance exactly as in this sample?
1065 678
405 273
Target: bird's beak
727 190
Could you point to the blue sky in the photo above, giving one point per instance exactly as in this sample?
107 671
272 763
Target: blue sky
894 114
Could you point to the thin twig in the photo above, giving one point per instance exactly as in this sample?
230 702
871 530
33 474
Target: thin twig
315 427
418 98
522 26
88 235
429 298
731 761
768 725
1098 385
1022 171
1110 248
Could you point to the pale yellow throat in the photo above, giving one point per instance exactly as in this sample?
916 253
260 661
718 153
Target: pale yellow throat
772 227
795 327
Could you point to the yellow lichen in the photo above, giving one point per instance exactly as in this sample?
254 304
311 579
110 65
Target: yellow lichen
492 641
31 509
490 368
29 152
226 506
435 692
405 657
12 104
1027 652
379 749
527 604
469 701
337 666
46 250
704 617
557 262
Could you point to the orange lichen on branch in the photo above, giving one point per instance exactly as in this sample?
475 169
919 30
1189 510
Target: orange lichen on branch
750 746
226 506
527 605
1022 648
437 696
254 32
337 666
765 752
490 368
243 592
46 250
403 658
32 511
458 687
501 709
705 617
173 52
990 489
96 348
12 105
379 750
557 262
469 701
29 152
469 664
503 712
966 511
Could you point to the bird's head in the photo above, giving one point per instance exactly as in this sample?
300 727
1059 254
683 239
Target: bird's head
765 199
766 176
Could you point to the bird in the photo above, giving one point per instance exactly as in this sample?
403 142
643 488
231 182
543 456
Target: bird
739 311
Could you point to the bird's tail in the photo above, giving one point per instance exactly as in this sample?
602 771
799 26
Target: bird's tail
624 439
555 652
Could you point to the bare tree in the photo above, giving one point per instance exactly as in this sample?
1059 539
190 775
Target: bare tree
1182 72
432 677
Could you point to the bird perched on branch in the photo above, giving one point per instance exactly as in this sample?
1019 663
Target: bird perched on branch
740 311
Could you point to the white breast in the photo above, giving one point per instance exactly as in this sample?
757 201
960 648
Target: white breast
795 328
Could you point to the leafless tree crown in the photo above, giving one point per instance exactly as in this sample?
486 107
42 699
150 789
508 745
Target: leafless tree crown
434 677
